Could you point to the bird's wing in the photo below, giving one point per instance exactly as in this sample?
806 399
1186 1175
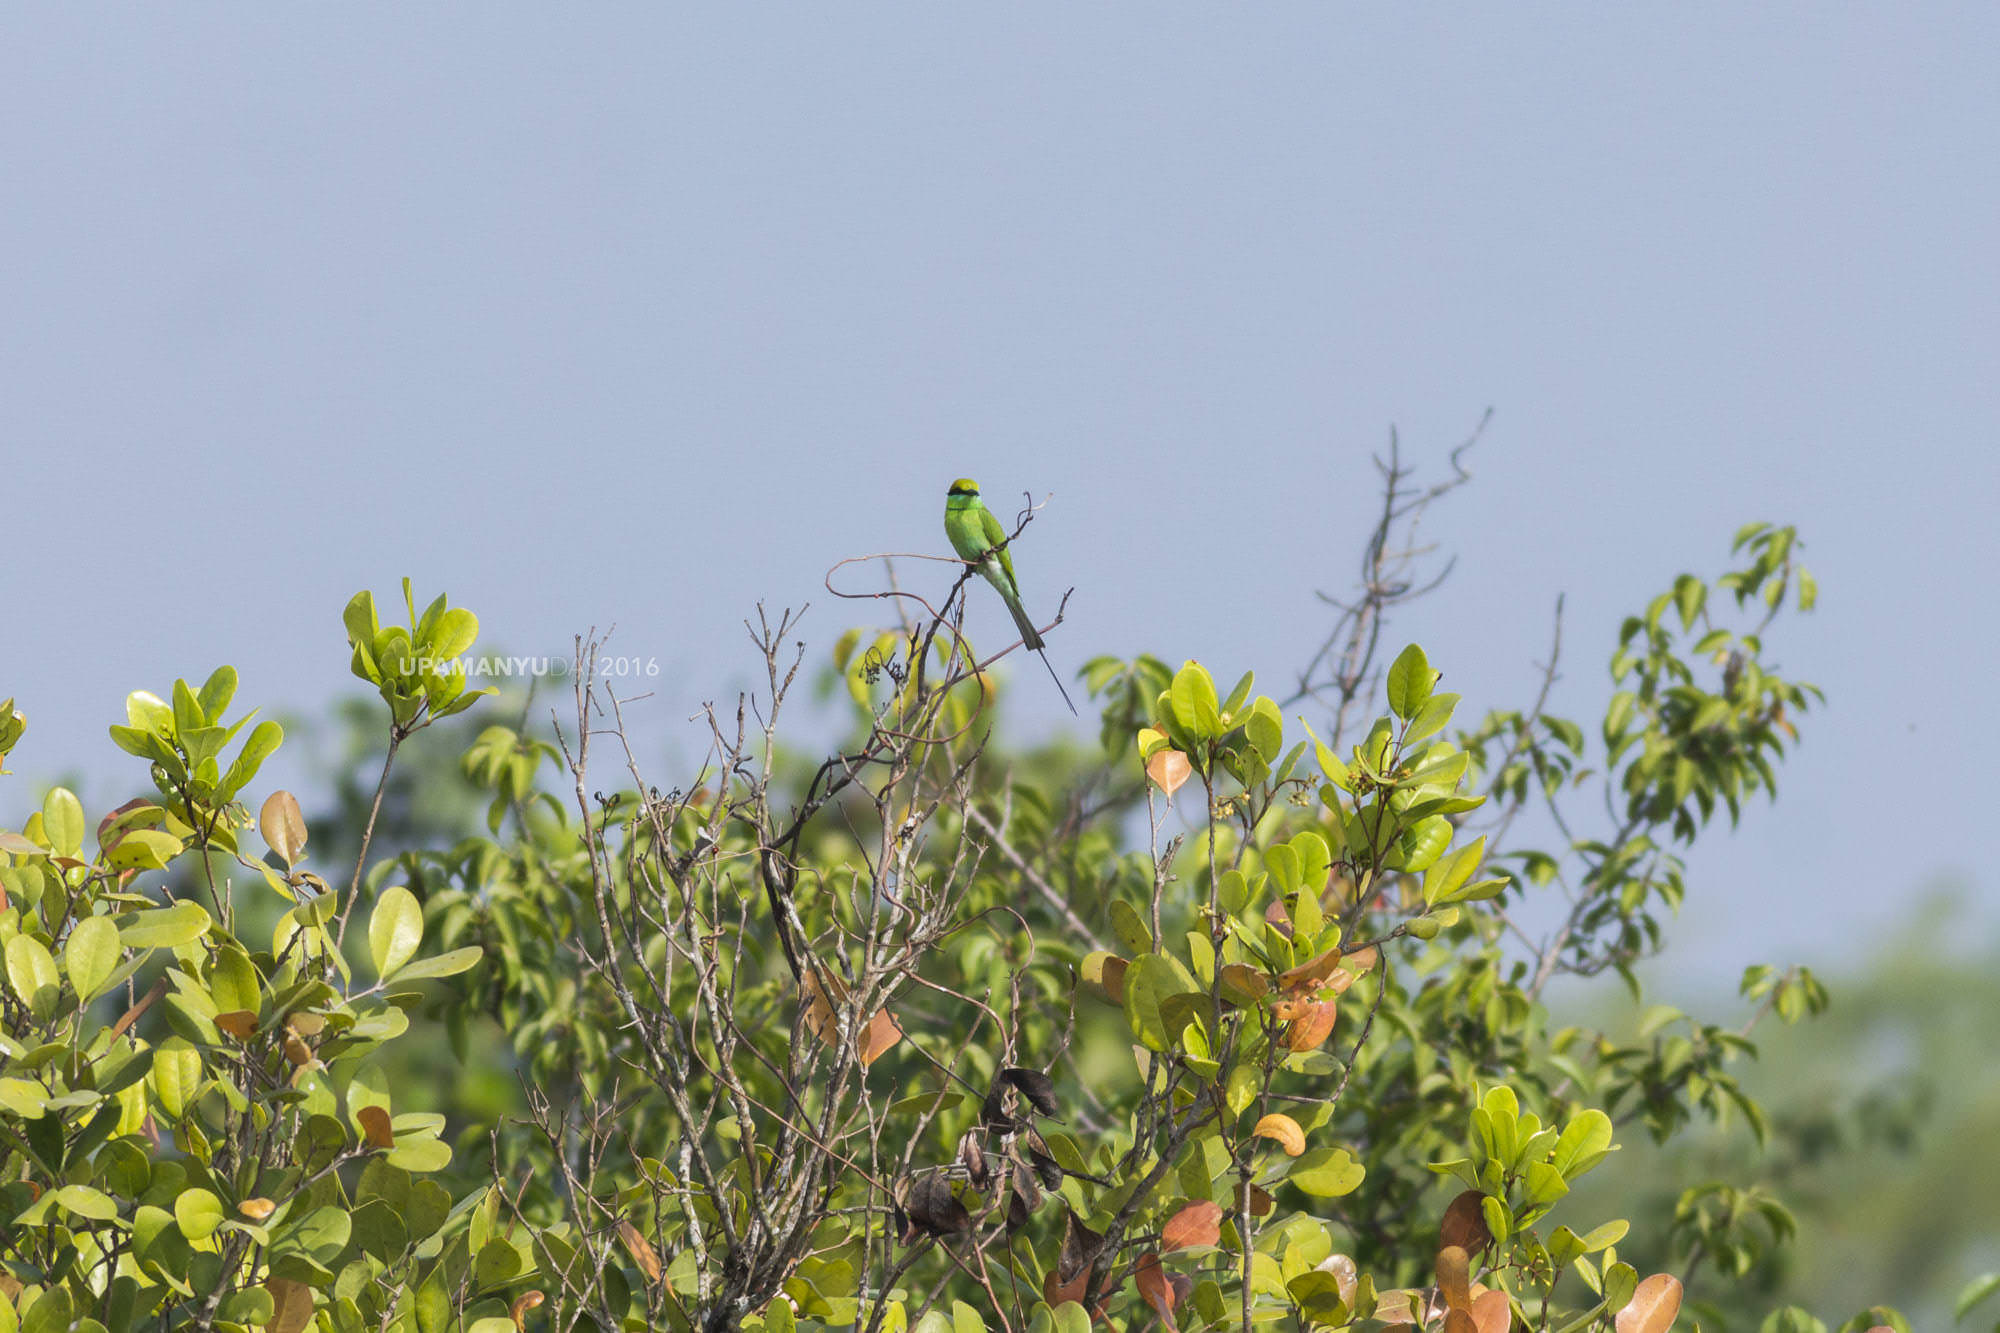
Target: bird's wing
995 534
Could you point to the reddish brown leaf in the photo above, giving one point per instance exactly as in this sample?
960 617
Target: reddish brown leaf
375 1124
1199 1223
1459 1321
1312 1023
1491 1311
1282 1130
1156 1289
1332 970
238 1023
292 1305
1454 1275
523 1303
640 1249
1653 1306
1169 769
1465 1223
297 1051
256 1209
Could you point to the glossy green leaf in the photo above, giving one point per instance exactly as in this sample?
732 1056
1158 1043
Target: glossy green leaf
1410 682
395 929
1327 1173
164 927
91 954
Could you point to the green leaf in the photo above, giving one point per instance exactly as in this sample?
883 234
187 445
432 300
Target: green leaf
1194 701
83 1201
1410 682
395 929
176 1076
1327 1173
1131 929
164 927
442 965
198 1213
1972 1293
1150 981
1431 718
62 820
143 849
1585 1141
91 954
32 971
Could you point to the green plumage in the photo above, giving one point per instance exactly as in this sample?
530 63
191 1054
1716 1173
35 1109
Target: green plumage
977 537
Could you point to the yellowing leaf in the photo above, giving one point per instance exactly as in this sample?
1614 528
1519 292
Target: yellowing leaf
1282 1130
283 827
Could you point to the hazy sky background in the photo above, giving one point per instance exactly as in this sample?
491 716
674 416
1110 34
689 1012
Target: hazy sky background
642 314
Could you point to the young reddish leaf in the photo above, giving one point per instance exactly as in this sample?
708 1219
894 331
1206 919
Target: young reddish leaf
1454 1275
1169 769
881 1033
1156 1289
1199 1223
1465 1224
1491 1311
283 827
375 1124
1282 1130
640 1249
1654 1304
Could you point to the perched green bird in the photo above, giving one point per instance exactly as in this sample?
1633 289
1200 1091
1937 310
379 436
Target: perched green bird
977 537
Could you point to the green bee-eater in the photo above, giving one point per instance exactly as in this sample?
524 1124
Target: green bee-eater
977 537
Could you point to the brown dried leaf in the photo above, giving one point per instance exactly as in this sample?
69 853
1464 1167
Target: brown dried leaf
1464 1223
1156 1289
1037 1087
1244 984
523 1303
1169 769
1654 1305
292 1305
375 1124
1200 1223
1282 1130
1491 1311
1454 1275
640 1249
881 1033
1260 1202
1080 1248
934 1208
819 1014
283 827
256 1209
238 1023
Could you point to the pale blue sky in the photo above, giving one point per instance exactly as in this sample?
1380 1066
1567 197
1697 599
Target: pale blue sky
641 314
